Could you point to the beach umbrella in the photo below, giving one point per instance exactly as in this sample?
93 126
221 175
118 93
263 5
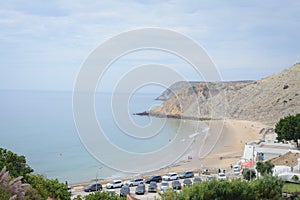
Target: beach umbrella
247 164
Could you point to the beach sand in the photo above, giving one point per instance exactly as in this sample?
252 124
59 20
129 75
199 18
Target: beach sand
222 147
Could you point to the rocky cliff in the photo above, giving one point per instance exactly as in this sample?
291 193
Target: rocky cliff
266 100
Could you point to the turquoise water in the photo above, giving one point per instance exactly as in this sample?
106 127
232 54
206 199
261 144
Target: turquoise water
40 126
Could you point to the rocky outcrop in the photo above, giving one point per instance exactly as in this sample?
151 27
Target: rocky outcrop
266 100
175 88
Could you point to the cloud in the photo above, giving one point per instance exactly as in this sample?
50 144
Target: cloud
237 35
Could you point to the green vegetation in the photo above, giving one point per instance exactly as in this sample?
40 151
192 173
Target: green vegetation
101 196
48 188
16 165
295 178
288 128
264 167
291 187
249 174
267 187
39 189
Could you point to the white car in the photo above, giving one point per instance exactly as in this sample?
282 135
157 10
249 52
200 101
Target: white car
164 186
170 177
114 184
222 176
236 169
236 172
134 182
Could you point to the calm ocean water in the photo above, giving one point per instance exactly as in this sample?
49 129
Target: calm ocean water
40 126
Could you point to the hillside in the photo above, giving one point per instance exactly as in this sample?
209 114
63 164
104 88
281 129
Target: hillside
266 100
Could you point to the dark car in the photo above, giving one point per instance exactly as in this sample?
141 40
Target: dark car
176 185
93 187
187 174
152 187
153 178
124 191
187 182
140 189
197 179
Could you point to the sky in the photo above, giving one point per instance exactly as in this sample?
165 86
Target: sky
43 44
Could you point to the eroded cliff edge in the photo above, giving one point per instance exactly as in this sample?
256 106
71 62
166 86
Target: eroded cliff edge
266 100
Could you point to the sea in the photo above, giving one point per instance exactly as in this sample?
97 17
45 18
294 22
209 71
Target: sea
40 125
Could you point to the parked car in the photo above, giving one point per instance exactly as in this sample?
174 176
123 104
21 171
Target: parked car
152 187
69 189
170 177
156 179
197 179
164 186
236 172
176 185
204 171
236 169
114 184
209 177
124 191
187 174
140 189
134 182
93 187
221 176
187 182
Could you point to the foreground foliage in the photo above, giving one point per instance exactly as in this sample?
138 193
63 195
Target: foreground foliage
101 196
267 187
249 174
37 187
16 165
11 188
48 188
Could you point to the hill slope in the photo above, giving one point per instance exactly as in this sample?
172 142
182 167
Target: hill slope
266 100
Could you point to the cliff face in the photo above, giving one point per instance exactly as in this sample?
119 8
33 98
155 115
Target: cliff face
175 88
266 100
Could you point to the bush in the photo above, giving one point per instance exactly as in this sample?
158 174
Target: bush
249 174
264 188
264 167
40 188
16 165
295 178
11 188
48 188
100 196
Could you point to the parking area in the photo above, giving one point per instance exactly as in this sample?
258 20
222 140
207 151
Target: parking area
79 190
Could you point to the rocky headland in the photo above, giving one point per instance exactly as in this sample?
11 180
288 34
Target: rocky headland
266 100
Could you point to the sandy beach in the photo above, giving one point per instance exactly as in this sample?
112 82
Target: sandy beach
221 148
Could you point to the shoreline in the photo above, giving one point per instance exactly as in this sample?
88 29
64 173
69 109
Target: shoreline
227 149
159 115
